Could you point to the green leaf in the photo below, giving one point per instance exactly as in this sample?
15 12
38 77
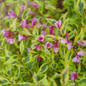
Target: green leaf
82 81
81 6
21 47
43 68
63 28
51 21
25 13
50 37
3 81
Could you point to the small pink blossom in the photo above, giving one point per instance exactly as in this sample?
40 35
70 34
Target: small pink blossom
10 40
45 25
76 59
73 76
56 48
34 21
37 47
12 14
48 16
24 24
39 59
58 24
28 49
23 7
35 5
6 33
48 45
21 37
41 38
83 43
44 32
64 41
51 28
38 25
69 45
80 53
32 13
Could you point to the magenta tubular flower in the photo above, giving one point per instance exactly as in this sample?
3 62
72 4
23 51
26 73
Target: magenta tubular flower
48 45
21 37
12 14
10 40
69 45
37 47
35 5
6 33
45 25
73 76
39 59
80 53
32 13
63 41
83 43
58 24
41 38
56 48
23 7
34 21
76 59
44 32
51 28
24 24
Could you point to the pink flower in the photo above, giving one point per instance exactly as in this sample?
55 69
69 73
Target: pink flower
56 48
48 16
83 43
73 76
28 50
80 53
21 37
58 24
34 21
41 38
39 59
7 34
10 40
24 24
35 5
45 25
52 30
37 47
44 32
48 45
23 7
69 45
64 41
12 14
76 59
32 13
39 24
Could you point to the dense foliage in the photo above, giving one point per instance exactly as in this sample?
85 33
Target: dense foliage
42 43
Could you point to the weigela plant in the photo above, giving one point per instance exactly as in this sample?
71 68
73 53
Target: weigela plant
43 43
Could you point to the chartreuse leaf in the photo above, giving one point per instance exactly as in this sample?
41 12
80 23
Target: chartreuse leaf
50 7
40 29
25 13
33 46
52 82
80 6
63 28
50 37
65 76
35 31
43 82
25 84
13 25
8 53
69 55
51 21
82 82
21 47
43 68
3 81
80 36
